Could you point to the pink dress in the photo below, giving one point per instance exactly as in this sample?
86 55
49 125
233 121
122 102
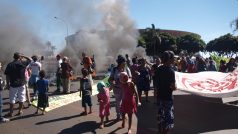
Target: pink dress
128 104
104 103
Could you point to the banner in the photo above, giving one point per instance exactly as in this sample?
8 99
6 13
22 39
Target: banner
208 83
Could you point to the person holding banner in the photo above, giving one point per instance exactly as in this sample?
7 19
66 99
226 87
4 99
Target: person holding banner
165 80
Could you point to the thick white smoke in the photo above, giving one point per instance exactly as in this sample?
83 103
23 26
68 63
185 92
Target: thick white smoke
16 34
104 29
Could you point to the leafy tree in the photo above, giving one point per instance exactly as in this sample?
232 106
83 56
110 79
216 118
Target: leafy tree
168 42
224 45
190 43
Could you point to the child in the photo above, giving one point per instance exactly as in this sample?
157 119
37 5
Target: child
42 86
165 80
128 105
86 91
104 102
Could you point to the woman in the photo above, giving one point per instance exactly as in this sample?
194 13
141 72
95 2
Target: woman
115 82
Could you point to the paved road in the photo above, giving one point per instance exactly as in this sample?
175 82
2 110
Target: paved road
193 114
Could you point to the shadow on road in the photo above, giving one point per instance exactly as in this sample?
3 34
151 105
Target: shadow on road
60 119
81 128
193 114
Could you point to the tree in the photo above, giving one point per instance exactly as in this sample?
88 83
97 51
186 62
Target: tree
152 40
168 42
190 43
224 45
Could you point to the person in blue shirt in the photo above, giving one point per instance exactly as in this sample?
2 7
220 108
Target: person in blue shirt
42 86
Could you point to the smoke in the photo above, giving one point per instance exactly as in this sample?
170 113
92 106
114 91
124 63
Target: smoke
16 34
103 29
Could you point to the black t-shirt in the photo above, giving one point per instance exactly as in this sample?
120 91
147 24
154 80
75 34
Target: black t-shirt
16 72
165 76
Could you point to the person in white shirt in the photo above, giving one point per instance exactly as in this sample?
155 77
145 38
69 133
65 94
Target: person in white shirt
58 73
35 68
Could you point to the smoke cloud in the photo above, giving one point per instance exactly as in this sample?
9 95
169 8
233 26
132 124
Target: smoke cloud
103 29
16 35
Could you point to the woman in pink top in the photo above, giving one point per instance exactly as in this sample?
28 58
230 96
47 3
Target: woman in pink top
129 102
104 102
27 76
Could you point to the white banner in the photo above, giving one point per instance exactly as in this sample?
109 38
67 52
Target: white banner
209 83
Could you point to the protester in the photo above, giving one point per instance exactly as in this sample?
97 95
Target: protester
134 70
58 73
86 91
200 64
15 81
190 65
222 67
153 71
66 73
87 64
128 60
211 66
2 119
129 102
27 77
165 79
144 79
115 82
35 68
231 65
42 86
104 102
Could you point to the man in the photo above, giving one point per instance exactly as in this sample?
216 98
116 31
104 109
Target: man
2 119
58 73
66 69
15 81
35 68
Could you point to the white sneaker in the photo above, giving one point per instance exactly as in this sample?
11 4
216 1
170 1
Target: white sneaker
4 120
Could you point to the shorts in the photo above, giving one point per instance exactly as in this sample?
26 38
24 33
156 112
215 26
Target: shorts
17 92
165 114
86 100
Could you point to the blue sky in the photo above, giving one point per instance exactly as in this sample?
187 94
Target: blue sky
208 18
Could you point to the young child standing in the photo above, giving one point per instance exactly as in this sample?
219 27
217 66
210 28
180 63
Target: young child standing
85 91
42 86
104 102
129 102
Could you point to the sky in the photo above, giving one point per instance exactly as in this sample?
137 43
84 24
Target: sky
208 18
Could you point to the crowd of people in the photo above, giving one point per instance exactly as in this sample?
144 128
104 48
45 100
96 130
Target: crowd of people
199 64
128 80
